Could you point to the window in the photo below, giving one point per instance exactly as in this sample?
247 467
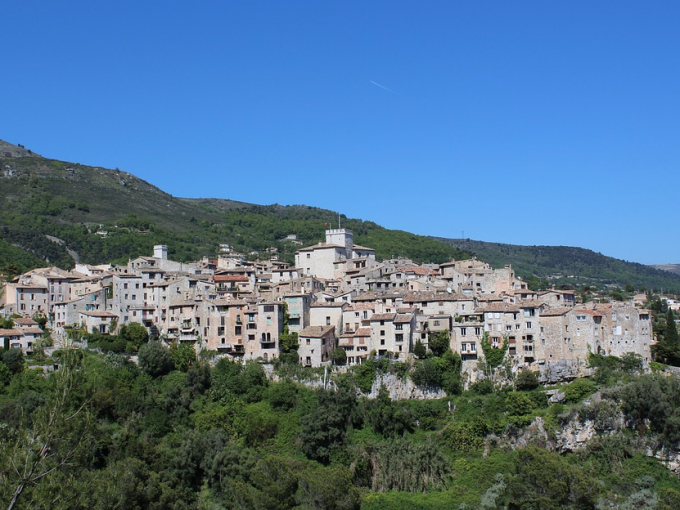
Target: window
580 318
436 323
399 327
478 331
382 332
328 321
528 325
463 331
399 337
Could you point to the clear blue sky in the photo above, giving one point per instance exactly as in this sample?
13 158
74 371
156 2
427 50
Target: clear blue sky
524 122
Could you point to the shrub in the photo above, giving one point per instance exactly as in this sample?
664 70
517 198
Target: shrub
578 390
526 380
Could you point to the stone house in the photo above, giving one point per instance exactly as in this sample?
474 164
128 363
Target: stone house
315 345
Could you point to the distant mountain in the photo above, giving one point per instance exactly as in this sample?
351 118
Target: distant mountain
671 268
48 207
565 265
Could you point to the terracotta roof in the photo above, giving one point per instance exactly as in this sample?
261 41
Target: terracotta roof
316 331
403 318
555 312
231 278
321 246
569 292
11 332
334 304
99 314
424 297
32 331
360 306
363 248
422 271
233 302
363 332
499 307
23 321
383 317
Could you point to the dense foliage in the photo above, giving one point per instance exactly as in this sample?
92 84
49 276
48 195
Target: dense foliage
102 432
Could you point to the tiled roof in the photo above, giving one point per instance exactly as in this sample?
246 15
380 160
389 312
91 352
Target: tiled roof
424 297
555 312
11 332
334 304
23 321
403 318
499 307
231 278
316 331
383 316
363 332
99 314
321 246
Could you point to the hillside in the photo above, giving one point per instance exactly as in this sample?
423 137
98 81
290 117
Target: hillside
109 215
106 215
671 268
569 265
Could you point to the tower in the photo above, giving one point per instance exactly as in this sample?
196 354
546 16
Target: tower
342 237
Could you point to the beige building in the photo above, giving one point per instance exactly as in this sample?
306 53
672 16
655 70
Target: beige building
315 345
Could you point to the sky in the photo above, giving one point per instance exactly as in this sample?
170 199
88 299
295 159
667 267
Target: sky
524 122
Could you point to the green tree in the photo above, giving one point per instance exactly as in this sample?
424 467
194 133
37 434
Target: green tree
324 429
154 359
667 349
419 350
183 355
338 356
439 342
14 359
546 481
134 335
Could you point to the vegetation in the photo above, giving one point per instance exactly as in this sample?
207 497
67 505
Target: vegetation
174 432
49 207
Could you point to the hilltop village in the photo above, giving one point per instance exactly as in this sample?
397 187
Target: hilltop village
336 296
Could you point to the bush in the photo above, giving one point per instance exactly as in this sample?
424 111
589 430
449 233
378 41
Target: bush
526 380
482 387
578 390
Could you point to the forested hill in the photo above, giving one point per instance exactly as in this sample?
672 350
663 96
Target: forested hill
52 211
48 207
569 265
